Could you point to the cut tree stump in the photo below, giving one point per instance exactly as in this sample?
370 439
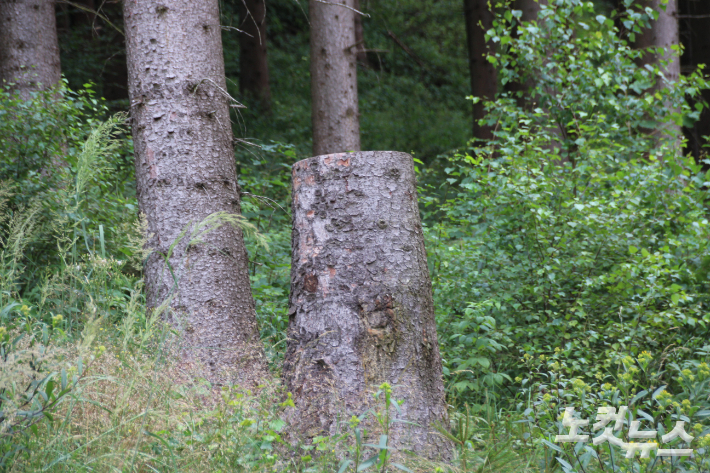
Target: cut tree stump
361 311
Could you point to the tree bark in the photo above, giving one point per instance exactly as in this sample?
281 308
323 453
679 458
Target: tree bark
663 33
484 78
253 61
185 172
525 89
335 116
29 50
695 23
361 308
530 8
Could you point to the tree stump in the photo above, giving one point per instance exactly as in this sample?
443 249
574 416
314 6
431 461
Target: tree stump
361 310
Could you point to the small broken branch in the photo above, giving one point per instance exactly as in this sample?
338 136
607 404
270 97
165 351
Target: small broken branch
406 49
344 6
235 29
89 10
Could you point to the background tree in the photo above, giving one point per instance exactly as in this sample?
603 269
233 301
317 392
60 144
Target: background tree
360 37
185 173
335 116
694 19
29 53
253 61
484 78
663 33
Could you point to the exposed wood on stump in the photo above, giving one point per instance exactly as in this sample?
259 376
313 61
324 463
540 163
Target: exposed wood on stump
253 60
335 116
185 171
361 308
484 78
29 51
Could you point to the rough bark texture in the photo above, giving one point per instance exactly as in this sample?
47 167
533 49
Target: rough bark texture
253 63
29 52
484 79
185 171
361 309
662 34
335 116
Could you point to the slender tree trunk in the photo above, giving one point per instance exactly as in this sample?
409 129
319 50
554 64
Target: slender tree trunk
336 124
360 37
524 89
185 172
29 51
663 33
484 78
253 61
361 309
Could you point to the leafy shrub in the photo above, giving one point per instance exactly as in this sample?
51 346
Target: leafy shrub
580 226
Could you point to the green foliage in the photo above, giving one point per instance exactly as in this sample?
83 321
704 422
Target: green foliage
581 226
61 162
635 382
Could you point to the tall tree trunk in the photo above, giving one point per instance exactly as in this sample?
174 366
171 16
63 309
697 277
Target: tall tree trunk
336 124
530 9
484 78
663 33
695 23
29 51
253 61
361 55
361 309
185 172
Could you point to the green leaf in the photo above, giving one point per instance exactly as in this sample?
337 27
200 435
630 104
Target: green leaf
344 466
552 446
402 467
639 396
633 250
368 463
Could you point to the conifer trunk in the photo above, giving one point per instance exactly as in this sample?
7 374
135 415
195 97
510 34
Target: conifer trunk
484 78
663 33
253 60
360 37
361 311
185 172
29 50
335 116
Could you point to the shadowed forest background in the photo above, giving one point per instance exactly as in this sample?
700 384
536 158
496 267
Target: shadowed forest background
567 249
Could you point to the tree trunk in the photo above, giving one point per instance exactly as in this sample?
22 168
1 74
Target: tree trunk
336 124
663 33
361 55
525 89
185 172
695 23
253 63
29 51
484 78
530 8
361 309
